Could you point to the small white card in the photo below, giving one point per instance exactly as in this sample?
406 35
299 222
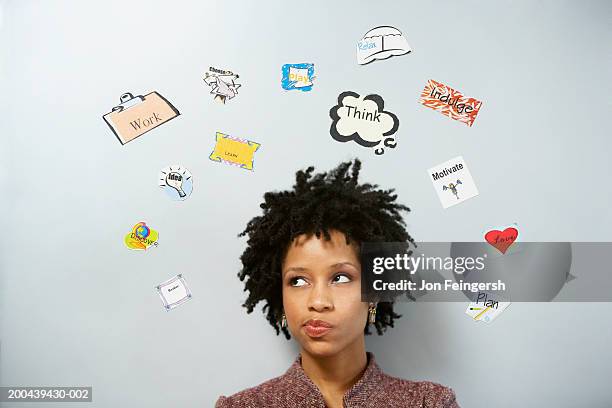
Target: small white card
453 182
486 307
173 292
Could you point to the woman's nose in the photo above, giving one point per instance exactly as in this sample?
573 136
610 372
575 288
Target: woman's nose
320 298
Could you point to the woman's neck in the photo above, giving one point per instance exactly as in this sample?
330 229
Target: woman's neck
336 374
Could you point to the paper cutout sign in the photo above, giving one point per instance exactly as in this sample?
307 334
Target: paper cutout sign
222 83
234 151
453 182
486 307
363 120
502 240
136 115
297 76
450 102
173 292
141 237
176 181
381 43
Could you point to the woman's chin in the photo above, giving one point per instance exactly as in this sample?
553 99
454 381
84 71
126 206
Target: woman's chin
320 348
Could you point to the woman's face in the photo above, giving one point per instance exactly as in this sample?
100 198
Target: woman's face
322 293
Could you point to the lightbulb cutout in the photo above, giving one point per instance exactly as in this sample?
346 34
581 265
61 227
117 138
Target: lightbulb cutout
176 181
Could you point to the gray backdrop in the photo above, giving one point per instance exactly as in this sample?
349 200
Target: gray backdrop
78 308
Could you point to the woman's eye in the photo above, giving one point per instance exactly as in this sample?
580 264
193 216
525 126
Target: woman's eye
341 278
296 282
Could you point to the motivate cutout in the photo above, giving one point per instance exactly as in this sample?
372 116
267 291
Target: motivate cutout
453 182
136 115
502 238
297 76
141 237
222 83
176 181
450 102
173 292
363 120
234 151
381 43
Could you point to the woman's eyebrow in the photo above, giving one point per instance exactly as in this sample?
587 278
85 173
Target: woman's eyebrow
296 269
302 269
336 265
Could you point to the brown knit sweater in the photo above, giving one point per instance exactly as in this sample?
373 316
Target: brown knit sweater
294 389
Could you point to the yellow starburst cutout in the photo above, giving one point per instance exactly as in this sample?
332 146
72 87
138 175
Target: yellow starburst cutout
234 151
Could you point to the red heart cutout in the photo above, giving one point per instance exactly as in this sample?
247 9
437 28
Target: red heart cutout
502 240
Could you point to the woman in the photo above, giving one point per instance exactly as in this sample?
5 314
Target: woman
302 260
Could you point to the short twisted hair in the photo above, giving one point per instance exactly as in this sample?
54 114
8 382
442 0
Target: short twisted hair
317 204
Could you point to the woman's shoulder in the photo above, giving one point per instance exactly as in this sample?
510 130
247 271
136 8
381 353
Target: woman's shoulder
428 393
295 389
391 392
259 395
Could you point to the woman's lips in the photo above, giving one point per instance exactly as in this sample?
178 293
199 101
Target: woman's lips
317 328
316 331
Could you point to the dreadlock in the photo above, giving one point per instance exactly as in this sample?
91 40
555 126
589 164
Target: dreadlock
318 203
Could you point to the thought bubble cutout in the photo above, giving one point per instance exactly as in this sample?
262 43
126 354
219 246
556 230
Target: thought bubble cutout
362 119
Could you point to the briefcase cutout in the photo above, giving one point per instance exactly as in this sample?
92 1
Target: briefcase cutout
136 115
